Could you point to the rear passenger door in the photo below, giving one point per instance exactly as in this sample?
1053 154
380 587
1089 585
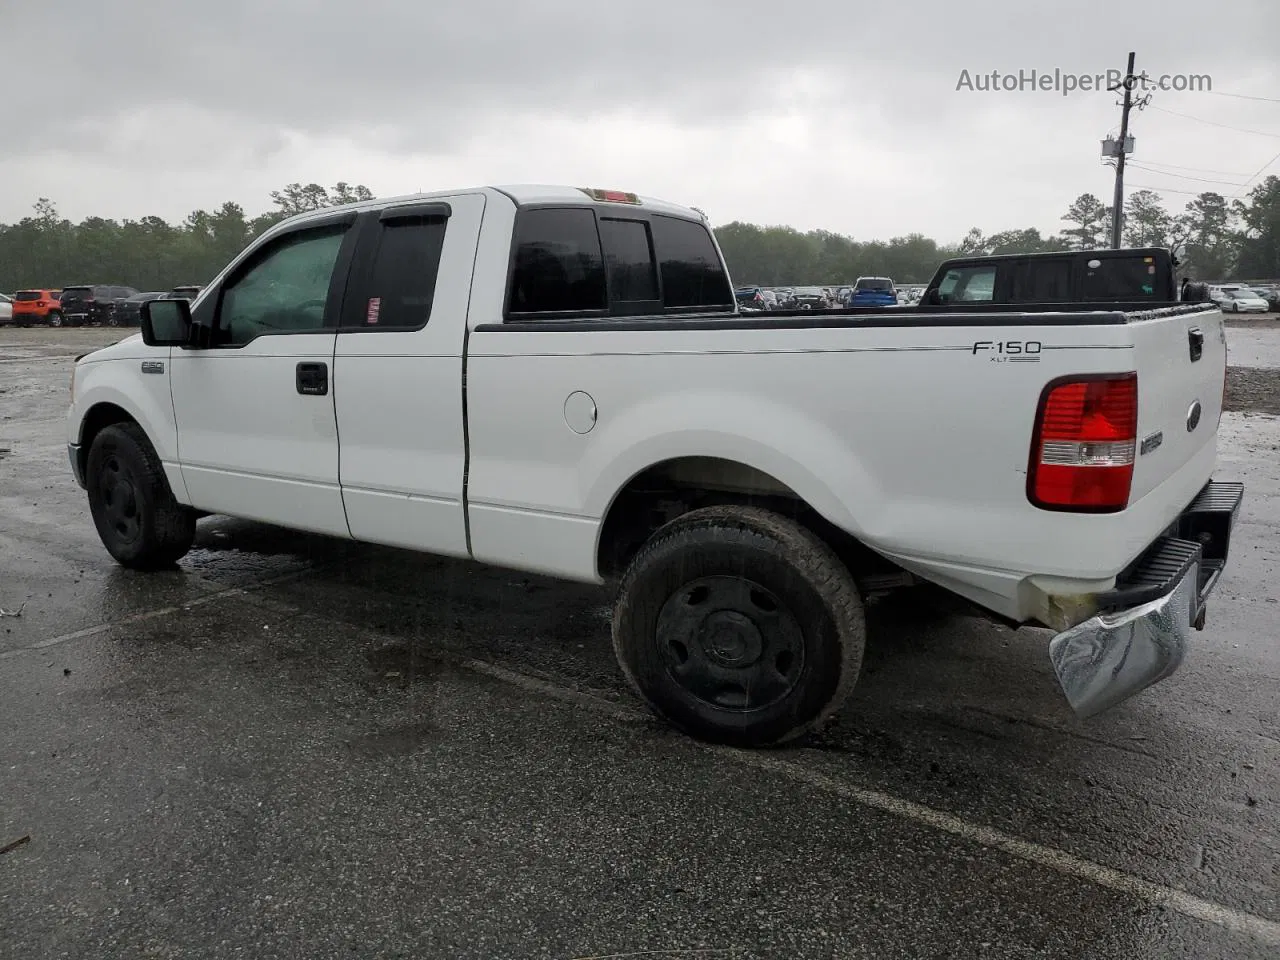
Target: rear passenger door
535 398
398 370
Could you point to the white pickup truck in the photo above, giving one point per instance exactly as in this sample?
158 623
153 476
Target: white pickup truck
558 380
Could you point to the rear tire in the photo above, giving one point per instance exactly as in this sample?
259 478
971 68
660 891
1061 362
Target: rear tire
141 524
55 319
739 626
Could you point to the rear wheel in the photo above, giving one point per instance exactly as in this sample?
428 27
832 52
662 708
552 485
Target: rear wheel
739 626
140 523
55 319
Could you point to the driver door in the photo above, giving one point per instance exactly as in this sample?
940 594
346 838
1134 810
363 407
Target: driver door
257 430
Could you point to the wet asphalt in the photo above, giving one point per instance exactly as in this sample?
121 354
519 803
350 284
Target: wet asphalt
297 747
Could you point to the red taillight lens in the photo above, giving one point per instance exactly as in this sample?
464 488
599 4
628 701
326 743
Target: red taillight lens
1085 439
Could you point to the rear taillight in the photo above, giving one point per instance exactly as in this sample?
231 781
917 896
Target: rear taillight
1083 448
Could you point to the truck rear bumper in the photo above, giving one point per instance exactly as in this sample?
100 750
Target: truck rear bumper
1143 628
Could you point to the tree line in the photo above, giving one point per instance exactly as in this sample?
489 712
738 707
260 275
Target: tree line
1225 239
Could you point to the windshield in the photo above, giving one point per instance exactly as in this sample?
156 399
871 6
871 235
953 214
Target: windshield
876 284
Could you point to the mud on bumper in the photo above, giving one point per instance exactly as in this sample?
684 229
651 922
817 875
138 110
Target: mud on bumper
1142 629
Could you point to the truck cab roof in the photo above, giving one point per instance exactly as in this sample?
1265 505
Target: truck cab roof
522 195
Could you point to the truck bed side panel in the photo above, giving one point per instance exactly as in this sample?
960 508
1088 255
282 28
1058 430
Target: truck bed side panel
915 439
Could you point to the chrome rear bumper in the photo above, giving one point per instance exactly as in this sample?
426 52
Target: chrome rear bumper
1143 629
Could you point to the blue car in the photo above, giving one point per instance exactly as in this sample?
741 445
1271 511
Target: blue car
873 292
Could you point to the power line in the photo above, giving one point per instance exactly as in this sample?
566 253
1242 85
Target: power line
1183 176
1147 186
1262 169
1175 166
1239 96
1214 123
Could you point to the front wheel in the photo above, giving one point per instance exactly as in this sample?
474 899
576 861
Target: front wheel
739 626
138 519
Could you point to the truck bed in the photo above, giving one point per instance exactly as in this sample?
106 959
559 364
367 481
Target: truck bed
910 429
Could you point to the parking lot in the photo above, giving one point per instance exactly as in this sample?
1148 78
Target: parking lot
298 747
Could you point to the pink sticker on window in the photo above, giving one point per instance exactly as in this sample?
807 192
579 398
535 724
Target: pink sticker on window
375 306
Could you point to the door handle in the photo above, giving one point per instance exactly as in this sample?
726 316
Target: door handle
1195 341
313 379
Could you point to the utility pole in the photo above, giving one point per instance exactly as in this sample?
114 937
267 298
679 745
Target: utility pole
1117 202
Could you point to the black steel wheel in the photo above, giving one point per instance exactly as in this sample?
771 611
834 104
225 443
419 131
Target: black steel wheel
139 521
739 626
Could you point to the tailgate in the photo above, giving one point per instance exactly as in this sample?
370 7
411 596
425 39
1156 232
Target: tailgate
1181 362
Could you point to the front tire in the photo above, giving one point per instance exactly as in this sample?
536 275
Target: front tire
141 524
739 626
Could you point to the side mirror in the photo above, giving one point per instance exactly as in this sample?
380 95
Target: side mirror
166 323
932 297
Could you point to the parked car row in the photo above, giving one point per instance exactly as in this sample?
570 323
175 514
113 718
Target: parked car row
107 305
864 292
1241 298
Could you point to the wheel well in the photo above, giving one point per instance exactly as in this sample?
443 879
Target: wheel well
100 416
663 492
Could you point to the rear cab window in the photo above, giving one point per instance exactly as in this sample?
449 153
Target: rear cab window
594 262
1046 280
972 284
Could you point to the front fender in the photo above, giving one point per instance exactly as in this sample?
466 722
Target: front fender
758 432
145 398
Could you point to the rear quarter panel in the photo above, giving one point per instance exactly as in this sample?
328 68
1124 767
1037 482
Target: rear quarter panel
915 439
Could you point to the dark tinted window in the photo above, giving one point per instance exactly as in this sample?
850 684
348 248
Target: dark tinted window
1040 281
28 295
77 292
632 275
875 283
558 265
692 274
402 281
1122 278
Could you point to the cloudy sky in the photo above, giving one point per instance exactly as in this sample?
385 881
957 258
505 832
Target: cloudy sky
818 113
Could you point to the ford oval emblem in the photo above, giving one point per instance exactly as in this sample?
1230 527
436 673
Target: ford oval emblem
1193 416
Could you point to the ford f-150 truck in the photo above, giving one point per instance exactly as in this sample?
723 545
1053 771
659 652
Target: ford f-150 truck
559 380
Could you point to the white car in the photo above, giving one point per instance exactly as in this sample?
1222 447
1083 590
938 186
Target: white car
6 310
1240 300
559 380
